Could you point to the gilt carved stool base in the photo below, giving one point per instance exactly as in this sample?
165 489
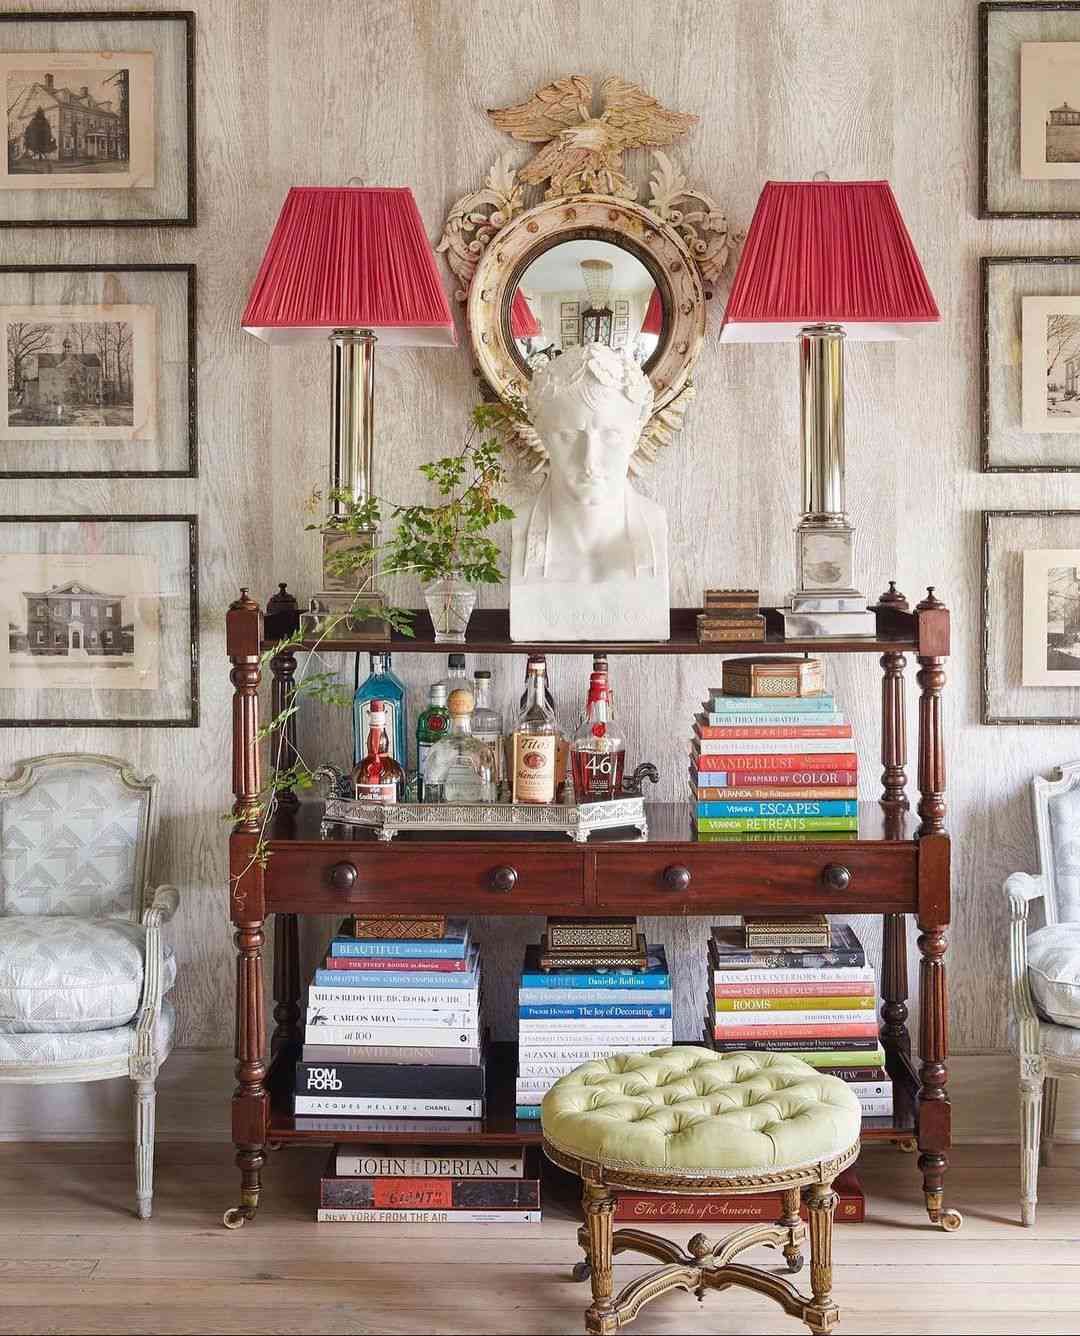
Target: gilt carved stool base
692 1121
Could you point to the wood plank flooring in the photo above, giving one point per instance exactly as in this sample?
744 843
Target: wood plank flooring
74 1260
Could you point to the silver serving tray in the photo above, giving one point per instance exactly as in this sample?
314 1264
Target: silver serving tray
576 820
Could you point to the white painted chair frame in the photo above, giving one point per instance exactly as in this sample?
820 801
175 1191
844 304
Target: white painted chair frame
153 907
1039 1071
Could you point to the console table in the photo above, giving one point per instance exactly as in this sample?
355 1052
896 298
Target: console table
897 864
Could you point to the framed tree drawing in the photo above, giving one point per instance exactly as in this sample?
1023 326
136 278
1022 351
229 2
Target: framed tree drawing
100 372
100 115
101 621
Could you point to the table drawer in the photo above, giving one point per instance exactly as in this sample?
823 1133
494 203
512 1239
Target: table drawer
761 878
474 879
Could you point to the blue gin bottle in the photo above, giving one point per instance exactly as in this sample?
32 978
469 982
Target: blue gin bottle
383 684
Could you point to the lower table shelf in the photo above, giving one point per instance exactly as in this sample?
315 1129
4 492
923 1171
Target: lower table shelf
499 1126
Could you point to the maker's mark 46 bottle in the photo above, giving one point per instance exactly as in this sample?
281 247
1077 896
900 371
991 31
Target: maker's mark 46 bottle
598 751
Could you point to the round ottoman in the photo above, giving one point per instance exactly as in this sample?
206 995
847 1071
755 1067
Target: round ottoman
690 1120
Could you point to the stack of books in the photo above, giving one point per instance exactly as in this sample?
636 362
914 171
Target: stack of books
772 765
812 1002
576 1014
393 1025
441 1186
730 614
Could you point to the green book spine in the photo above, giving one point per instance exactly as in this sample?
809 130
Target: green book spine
794 1003
749 824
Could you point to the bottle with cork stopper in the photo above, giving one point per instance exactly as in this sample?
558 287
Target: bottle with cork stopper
460 768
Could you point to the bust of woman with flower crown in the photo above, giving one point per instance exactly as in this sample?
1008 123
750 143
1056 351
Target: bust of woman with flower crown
589 558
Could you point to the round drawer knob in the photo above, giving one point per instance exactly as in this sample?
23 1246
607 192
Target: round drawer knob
342 876
677 878
503 878
836 876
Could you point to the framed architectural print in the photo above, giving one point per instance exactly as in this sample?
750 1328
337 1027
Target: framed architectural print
101 617
1031 617
100 111
1029 109
1030 344
100 376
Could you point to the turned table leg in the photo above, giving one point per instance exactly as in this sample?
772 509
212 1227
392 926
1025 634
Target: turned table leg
894 985
599 1205
250 1099
791 1220
286 981
822 1313
935 1113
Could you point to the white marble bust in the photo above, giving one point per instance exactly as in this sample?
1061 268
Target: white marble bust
589 556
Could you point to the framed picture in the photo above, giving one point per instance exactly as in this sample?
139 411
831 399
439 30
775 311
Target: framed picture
1030 381
100 375
1031 617
102 621
569 311
622 307
100 111
1029 126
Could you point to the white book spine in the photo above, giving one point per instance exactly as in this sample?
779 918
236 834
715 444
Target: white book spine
391 1217
409 999
871 1089
401 1036
567 1058
588 1028
842 974
795 1017
357 1106
532 997
454 1020
772 746
437 1165
877 1108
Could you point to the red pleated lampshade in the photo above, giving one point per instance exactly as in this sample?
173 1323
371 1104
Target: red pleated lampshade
523 324
827 252
654 316
349 257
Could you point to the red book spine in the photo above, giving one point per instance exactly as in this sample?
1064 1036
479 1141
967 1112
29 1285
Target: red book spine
773 730
392 963
632 1207
769 762
826 989
853 1030
841 779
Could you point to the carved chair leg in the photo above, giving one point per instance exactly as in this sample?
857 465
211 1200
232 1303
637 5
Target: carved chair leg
145 1101
1049 1119
599 1204
1031 1098
822 1313
791 1220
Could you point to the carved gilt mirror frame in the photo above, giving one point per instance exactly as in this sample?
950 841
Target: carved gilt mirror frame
680 236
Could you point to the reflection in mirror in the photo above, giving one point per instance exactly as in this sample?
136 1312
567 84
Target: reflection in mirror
585 291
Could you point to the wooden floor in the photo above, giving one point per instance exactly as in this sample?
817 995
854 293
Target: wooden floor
73 1259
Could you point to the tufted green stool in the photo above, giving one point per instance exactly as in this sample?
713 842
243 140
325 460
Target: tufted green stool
690 1120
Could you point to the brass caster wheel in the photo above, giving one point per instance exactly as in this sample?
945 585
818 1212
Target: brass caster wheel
236 1217
274 1145
951 1220
581 1271
909 1145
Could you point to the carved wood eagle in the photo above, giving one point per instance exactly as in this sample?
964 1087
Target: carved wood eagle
582 153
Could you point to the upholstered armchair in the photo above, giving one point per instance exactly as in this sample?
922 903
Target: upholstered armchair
1045 970
84 971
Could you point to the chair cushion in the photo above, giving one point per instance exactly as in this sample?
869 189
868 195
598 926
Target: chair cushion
89 1046
695 1110
60 975
1054 971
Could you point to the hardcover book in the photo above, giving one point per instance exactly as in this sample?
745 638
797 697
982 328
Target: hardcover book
827 987
359 1106
453 945
776 793
598 1011
433 1162
726 746
719 703
331 1126
430 1194
392 1053
397 999
739 1005
775 823
751 718
415 965
728 950
653 1207
827 1059
773 807
821 1021
852 1030
540 997
743 761
798 777
380 1216
390 1081
765 732
404 1036
468 976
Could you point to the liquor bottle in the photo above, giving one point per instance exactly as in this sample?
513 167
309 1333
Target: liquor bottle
381 684
598 752
542 660
431 727
455 674
377 777
599 665
535 742
486 721
460 768
562 752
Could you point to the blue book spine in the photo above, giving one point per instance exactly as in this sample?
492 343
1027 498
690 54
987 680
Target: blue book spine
596 1011
394 979
527 1111
613 980
826 807
444 950
718 704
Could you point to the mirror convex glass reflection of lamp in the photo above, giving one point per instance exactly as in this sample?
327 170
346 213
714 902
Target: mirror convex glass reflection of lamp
826 261
351 264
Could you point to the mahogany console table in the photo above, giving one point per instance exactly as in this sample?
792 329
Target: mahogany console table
897 864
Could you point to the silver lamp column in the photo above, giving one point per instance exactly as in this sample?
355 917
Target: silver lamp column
826 602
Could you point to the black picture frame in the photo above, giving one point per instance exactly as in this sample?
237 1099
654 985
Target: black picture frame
191 720
189 217
987 263
191 468
986 715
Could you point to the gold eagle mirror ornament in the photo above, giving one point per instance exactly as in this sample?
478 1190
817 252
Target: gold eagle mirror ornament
588 263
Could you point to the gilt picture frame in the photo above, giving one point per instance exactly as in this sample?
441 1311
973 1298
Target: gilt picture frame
101 618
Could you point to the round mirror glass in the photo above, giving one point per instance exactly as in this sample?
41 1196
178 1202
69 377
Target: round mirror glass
585 291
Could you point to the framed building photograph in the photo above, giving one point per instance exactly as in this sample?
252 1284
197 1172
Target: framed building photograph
99 371
100 119
101 618
1031 617
1030 364
1029 109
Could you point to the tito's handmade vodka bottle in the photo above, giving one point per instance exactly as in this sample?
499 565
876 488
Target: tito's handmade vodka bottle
535 749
